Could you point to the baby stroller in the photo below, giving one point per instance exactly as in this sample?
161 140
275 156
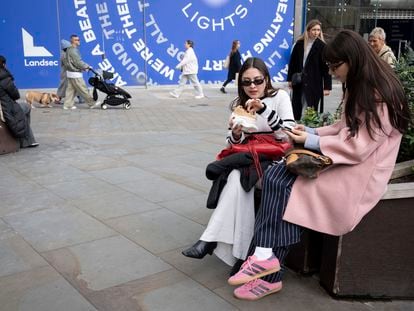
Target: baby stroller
115 95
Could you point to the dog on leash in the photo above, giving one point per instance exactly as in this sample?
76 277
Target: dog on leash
44 99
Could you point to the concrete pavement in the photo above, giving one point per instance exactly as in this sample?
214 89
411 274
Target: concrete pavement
96 217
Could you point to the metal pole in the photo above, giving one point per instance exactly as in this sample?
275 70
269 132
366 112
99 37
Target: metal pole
299 18
58 22
145 43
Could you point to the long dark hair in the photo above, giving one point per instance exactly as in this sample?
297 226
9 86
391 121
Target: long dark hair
253 62
369 81
234 47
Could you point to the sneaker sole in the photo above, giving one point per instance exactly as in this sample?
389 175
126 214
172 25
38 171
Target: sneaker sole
246 279
258 297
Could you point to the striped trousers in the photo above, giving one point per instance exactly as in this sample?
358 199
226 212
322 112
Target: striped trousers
270 230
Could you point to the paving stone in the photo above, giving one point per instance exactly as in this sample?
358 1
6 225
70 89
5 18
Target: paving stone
196 158
114 204
193 208
6 231
17 256
104 263
95 163
82 188
157 231
58 227
119 175
53 175
14 183
159 189
41 289
31 201
169 290
184 295
210 271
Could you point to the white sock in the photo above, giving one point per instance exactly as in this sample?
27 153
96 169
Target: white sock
263 253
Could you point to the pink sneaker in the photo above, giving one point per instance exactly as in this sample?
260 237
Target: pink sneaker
254 269
256 289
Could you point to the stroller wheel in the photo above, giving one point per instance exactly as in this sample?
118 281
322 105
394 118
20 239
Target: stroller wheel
104 106
127 105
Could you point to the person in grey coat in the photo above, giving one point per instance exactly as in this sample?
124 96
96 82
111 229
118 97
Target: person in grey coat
74 68
61 91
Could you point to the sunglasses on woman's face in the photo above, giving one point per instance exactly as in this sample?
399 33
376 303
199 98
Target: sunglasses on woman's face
335 66
248 82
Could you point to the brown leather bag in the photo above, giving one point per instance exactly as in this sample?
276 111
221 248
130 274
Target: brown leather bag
306 163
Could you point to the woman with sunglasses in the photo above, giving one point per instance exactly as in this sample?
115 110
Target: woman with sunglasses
308 75
230 228
363 146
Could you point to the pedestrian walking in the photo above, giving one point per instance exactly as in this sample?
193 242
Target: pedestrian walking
234 64
74 68
189 71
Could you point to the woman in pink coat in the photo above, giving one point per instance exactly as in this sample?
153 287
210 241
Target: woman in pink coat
363 146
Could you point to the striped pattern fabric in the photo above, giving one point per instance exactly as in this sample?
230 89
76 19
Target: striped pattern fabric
271 231
273 119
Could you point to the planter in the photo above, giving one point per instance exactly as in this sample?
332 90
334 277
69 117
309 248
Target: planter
376 259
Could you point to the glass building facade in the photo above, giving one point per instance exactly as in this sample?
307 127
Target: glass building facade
395 16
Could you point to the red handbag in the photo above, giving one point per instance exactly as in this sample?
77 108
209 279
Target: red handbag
265 144
258 144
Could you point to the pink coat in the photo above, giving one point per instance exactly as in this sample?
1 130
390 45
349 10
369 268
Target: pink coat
336 201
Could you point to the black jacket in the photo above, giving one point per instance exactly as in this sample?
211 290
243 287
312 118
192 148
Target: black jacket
235 65
218 171
315 76
12 112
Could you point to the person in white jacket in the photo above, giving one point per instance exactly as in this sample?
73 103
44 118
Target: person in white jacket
189 69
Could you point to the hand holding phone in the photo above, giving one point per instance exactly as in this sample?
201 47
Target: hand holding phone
286 127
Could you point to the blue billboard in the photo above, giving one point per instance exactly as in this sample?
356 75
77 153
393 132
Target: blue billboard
142 41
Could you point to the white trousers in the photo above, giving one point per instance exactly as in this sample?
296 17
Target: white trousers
194 81
232 222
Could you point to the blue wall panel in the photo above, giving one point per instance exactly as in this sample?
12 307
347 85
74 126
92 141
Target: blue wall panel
142 41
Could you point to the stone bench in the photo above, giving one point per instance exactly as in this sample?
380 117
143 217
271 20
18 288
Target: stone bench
7 142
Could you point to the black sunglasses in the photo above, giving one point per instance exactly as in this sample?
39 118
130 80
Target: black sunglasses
257 81
335 66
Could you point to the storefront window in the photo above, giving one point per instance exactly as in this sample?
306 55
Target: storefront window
395 16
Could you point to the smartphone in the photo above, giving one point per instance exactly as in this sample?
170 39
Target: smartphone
286 128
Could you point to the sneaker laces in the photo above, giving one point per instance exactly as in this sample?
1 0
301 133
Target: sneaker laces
248 264
252 284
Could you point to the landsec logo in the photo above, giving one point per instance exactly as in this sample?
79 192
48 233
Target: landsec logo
30 50
143 40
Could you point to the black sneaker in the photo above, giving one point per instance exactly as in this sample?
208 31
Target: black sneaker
223 90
